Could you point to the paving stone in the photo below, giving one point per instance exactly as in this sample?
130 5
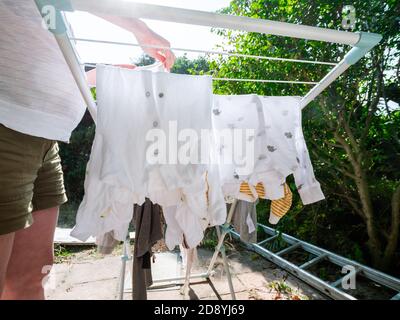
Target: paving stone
94 290
99 269
244 262
97 278
56 278
165 295
221 285
253 279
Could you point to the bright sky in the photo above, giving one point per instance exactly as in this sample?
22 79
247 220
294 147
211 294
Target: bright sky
183 36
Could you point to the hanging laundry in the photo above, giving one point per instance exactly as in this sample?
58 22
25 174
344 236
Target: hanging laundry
279 151
106 207
147 220
278 156
245 220
267 145
283 117
132 104
279 147
237 121
281 206
106 243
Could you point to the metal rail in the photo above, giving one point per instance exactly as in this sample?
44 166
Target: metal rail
362 42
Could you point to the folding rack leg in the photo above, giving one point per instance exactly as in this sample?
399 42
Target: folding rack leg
221 248
124 259
226 266
222 238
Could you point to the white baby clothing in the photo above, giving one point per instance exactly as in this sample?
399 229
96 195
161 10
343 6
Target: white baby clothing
307 185
273 155
278 157
279 146
140 112
284 129
135 109
236 124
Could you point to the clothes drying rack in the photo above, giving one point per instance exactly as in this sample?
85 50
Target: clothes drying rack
361 43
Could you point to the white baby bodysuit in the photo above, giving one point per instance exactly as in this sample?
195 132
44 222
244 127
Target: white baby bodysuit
279 146
274 154
307 185
279 116
131 104
286 145
236 123
107 206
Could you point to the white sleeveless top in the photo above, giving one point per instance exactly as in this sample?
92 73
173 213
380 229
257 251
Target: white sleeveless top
38 95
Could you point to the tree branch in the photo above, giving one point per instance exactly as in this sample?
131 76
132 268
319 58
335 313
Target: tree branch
395 225
373 105
353 203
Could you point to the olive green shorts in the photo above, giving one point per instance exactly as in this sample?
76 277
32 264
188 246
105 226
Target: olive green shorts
31 178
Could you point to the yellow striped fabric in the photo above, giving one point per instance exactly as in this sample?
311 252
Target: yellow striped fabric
245 188
281 206
278 207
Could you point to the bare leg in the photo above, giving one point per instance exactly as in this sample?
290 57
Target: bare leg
31 257
6 244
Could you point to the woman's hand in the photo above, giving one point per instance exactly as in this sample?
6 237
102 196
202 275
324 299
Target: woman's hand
146 36
163 54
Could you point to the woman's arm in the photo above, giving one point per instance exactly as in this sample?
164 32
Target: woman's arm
145 36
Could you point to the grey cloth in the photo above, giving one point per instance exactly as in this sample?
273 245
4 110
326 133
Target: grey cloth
106 243
245 210
147 220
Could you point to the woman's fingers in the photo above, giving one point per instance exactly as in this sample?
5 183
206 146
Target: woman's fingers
159 56
169 59
165 56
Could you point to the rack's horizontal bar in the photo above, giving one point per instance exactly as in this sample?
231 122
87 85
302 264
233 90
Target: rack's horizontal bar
169 283
209 19
264 80
193 276
238 79
223 53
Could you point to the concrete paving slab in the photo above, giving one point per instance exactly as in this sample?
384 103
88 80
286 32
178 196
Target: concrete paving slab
94 290
252 280
93 277
96 270
166 266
